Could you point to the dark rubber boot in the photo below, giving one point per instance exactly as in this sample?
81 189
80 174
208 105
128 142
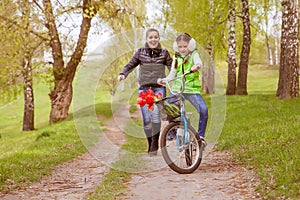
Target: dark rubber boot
154 145
149 138
155 138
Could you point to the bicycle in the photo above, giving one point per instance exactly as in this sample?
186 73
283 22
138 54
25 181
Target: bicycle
183 154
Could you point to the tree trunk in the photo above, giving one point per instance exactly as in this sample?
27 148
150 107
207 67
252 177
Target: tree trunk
208 76
28 117
270 53
276 51
267 32
288 84
276 34
61 99
231 74
244 59
61 96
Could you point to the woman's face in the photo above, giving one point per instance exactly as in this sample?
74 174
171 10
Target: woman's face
152 39
183 47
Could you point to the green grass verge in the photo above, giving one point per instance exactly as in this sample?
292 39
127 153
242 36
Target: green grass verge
28 156
114 183
37 152
263 134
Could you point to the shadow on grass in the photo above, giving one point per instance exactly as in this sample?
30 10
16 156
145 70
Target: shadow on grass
103 109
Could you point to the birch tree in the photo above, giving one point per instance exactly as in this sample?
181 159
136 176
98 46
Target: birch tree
231 73
23 47
28 116
288 84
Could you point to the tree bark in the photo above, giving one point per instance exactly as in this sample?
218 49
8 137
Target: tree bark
244 58
61 96
28 117
231 74
288 84
267 33
270 53
276 48
208 75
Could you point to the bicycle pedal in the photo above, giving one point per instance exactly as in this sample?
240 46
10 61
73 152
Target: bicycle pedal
180 148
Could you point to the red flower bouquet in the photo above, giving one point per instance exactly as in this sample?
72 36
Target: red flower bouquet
148 98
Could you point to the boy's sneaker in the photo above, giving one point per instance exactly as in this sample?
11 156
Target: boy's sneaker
171 135
204 144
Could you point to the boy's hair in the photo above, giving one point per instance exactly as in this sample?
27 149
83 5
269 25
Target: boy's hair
184 36
187 38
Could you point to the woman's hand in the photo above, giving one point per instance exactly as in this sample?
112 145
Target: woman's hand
121 77
159 81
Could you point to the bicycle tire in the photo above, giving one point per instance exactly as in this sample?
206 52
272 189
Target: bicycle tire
182 161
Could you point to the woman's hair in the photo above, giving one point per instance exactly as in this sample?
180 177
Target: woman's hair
184 36
151 30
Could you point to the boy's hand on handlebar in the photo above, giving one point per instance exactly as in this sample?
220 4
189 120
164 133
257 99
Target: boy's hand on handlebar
121 77
195 68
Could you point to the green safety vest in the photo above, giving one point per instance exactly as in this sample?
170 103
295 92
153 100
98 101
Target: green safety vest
192 82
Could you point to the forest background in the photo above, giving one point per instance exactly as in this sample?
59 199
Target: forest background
47 41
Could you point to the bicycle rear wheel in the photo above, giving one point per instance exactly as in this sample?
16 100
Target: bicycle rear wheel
182 157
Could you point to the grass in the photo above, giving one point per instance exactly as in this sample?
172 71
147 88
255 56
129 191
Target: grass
37 153
263 134
261 131
114 183
28 156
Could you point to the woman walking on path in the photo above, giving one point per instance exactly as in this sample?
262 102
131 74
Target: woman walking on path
152 60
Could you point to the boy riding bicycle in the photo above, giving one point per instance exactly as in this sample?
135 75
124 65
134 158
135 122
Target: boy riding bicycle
187 59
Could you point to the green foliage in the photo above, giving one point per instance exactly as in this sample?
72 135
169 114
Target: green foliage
10 93
259 54
109 77
206 21
16 41
43 73
121 15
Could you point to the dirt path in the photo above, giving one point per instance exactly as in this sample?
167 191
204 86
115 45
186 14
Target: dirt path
218 178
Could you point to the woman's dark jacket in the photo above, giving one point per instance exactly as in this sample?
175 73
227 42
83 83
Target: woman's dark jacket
153 63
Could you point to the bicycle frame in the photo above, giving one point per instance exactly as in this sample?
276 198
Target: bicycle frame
183 117
183 154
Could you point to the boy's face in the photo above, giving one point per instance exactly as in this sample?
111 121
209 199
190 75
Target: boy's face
183 47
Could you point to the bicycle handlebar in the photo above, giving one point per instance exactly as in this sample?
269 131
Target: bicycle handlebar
182 77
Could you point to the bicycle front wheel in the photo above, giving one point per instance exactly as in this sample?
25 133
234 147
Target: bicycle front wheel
182 154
